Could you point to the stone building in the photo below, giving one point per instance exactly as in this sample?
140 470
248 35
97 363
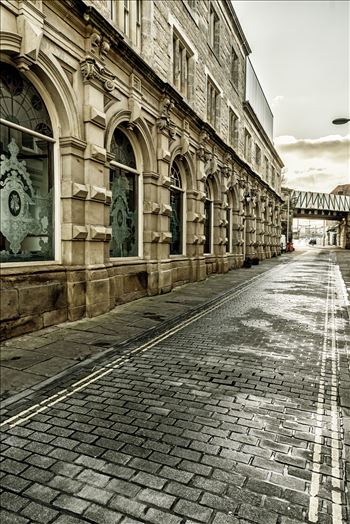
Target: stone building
339 233
136 154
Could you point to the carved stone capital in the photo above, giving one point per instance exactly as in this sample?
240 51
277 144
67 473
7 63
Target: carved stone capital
93 71
164 122
96 45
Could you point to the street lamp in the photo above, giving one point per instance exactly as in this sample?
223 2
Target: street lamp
340 121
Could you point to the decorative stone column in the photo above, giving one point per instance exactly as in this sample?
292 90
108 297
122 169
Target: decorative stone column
195 214
274 230
157 236
263 225
278 229
94 179
260 229
223 222
268 223
250 228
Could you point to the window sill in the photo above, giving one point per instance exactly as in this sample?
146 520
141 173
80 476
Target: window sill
116 261
10 268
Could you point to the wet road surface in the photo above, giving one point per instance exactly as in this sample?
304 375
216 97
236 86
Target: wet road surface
232 416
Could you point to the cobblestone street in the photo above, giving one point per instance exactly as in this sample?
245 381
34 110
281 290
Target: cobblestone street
231 414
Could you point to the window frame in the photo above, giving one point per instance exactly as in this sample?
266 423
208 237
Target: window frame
257 155
56 211
247 145
183 55
182 191
214 31
233 128
229 245
213 98
127 16
139 187
235 68
209 199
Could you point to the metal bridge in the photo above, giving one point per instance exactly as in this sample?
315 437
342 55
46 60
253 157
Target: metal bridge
319 205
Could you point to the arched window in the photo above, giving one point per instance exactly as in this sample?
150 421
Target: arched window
208 223
124 183
176 219
229 230
26 171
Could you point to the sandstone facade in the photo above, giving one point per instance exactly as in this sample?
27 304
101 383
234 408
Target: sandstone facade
143 166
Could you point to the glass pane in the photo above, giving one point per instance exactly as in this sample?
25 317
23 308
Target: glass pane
26 194
207 226
176 222
122 149
228 230
21 102
175 177
123 214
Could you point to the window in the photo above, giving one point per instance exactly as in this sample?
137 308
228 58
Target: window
234 68
257 155
266 168
127 14
212 104
229 230
248 146
208 222
124 183
176 219
26 173
214 31
233 129
273 176
182 67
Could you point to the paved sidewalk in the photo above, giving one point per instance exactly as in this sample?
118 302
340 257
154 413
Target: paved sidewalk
32 361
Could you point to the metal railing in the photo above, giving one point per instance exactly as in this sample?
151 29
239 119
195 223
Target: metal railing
320 201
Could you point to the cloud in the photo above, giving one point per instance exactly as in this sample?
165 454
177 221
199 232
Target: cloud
336 146
315 164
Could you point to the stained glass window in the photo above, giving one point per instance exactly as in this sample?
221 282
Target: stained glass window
124 209
122 149
208 220
176 219
21 102
26 171
229 230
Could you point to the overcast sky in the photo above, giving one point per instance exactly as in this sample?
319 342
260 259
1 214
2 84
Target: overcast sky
301 54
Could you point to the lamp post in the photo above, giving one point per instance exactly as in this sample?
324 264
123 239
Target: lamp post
340 121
